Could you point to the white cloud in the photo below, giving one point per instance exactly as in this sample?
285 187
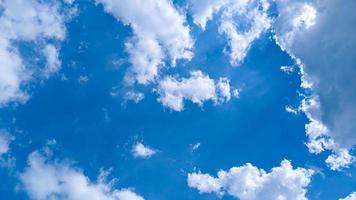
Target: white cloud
195 146
233 18
142 151
6 159
287 69
46 179
339 159
53 62
146 58
12 75
134 96
198 88
164 34
351 196
5 141
203 10
240 40
316 35
248 182
26 21
290 109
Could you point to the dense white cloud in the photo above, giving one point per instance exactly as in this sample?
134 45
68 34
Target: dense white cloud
45 179
26 21
339 159
142 151
203 10
317 35
242 22
247 182
351 196
160 32
198 88
146 57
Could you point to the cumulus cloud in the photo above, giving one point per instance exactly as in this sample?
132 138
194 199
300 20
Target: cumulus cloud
351 196
44 178
316 35
160 32
27 21
247 182
198 88
339 159
139 150
203 11
242 22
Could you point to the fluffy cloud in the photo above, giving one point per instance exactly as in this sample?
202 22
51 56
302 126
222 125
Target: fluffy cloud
198 88
203 11
142 151
233 18
45 179
247 182
351 196
163 34
26 21
317 35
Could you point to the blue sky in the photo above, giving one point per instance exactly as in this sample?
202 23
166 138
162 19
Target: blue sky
81 118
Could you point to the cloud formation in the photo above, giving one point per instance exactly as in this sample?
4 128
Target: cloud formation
27 21
317 35
160 32
242 22
44 178
197 88
142 151
247 182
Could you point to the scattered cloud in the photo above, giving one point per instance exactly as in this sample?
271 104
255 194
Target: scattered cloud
44 178
53 62
233 18
5 141
27 21
287 69
198 88
247 182
139 150
134 96
151 43
292 110
6 160
339 159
